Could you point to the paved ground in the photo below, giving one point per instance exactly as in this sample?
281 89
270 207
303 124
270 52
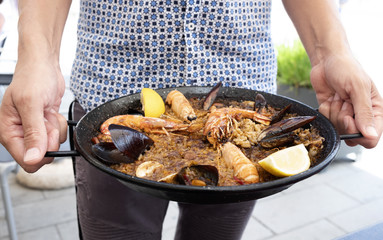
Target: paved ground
345 197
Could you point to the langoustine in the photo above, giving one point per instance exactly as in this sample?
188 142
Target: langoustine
244 169
221 121
180 106
146 124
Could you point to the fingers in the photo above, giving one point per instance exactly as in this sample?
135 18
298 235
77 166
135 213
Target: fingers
35 132
53 136
59 122
56 132
63 127
28 132
361 99
368 111
336 110
325 107
347 123
341 114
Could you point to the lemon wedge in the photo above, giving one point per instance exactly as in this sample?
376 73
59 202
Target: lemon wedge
287 162
152 103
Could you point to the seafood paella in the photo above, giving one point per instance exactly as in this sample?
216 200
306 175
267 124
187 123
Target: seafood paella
204 141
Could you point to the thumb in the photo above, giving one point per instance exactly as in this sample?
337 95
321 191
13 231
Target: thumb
35 133
364 117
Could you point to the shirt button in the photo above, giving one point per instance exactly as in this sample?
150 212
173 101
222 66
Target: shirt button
191 26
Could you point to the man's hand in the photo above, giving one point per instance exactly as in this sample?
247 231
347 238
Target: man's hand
345 93
349 98
30 123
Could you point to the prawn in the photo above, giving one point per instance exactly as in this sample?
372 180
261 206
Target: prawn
181 106
146 124
222 121
243 168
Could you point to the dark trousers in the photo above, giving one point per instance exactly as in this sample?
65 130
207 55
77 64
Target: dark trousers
107 209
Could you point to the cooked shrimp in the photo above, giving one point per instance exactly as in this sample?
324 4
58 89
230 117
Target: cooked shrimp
181 106
243 168
146 124
219 126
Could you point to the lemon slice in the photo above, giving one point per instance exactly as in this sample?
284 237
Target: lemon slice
152 103
287 162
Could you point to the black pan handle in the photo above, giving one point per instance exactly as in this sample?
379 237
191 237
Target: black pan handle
72 123
347 136
350 136
72 153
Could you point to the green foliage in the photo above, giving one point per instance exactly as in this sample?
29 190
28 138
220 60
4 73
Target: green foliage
293 65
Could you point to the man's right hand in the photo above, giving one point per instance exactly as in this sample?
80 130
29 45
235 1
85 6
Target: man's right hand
30 123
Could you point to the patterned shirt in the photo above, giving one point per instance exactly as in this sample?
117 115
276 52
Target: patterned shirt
124 46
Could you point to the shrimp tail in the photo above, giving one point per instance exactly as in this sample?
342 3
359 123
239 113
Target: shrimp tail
244 169
181 106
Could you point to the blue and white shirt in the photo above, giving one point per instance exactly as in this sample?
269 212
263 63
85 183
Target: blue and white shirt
124 46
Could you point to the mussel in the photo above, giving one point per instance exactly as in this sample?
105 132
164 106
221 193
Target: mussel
108 153
280 133
199 175
195 175
260 103
261 106
126 146
211 96
280 114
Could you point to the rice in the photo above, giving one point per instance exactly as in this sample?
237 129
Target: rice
175 151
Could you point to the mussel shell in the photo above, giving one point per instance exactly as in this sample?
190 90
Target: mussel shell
259 103
284 126
126 147
211 96
205 173
279 115
279 140
108 153
129 141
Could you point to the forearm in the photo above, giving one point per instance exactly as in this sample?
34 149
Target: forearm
319 27
41 25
